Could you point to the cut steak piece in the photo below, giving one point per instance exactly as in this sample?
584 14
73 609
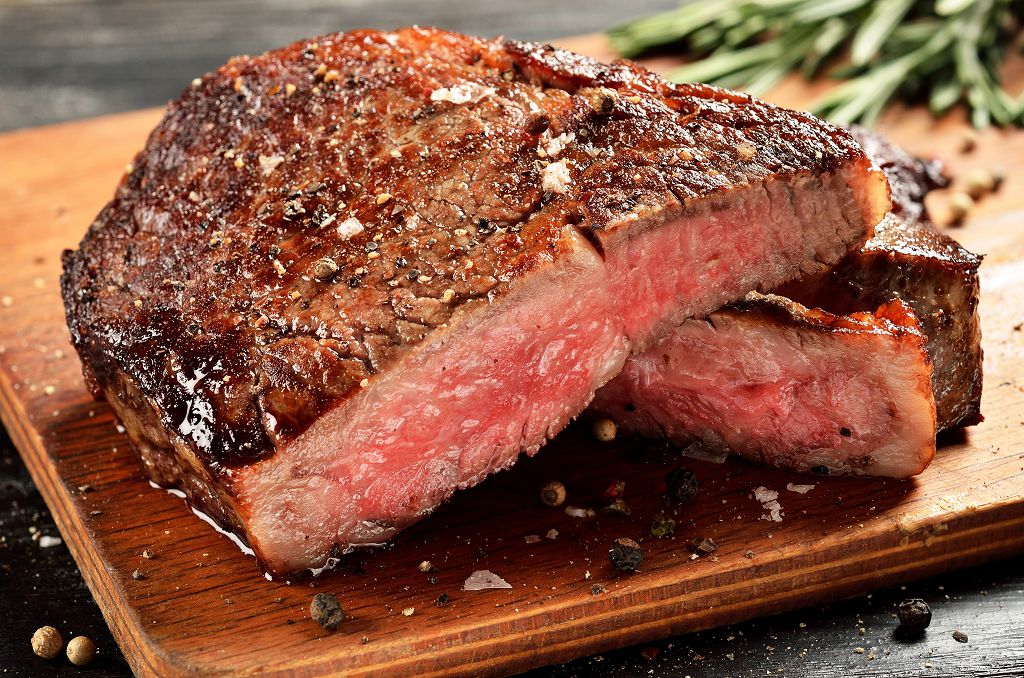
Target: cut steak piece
788 386
909 259
350 276
761 379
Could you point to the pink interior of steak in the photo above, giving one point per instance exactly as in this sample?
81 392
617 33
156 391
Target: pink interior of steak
718 252
501 379
506 376
840 395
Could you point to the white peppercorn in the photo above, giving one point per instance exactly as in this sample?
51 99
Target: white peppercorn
605 430
46 642
81 650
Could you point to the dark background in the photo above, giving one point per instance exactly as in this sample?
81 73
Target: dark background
72 59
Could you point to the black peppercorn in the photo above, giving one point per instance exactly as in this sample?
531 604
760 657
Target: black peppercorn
914 614
680 484
537 125
625 554
553 493
326 611
442 600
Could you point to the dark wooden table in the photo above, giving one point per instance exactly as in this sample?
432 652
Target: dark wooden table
66 60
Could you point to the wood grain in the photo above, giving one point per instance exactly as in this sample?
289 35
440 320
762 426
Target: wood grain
202 607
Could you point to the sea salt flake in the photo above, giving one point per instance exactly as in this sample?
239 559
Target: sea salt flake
349 228
462 94
774 514
555 178
532 538
481 580
552 534
269 163
799 489
556 145
769 501
577 512
46 541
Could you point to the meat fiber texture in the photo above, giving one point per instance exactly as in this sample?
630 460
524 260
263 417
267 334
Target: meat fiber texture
347 277
785 385
804 389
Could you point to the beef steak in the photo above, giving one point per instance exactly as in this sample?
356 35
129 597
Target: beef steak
909 259
804 389
347 277
789 386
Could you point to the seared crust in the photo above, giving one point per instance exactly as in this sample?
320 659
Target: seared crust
893 317
300 219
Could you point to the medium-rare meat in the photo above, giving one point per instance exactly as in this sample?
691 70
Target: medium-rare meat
788 386
347 277
909 259
761 379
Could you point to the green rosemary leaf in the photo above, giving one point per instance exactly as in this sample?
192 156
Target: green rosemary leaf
818 11
943 52
832 35
653 31
747 29
951 7
876 29
944 95
724 63
737 79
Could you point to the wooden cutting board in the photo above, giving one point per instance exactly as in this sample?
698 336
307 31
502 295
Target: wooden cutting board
199 606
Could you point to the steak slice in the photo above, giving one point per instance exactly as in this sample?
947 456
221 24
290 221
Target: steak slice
350 276
778 383
781 384
909 259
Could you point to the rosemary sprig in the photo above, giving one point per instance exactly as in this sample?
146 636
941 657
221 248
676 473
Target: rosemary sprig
943 52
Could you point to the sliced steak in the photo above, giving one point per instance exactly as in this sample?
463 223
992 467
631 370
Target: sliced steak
775 382
909 259
788 386
350 276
